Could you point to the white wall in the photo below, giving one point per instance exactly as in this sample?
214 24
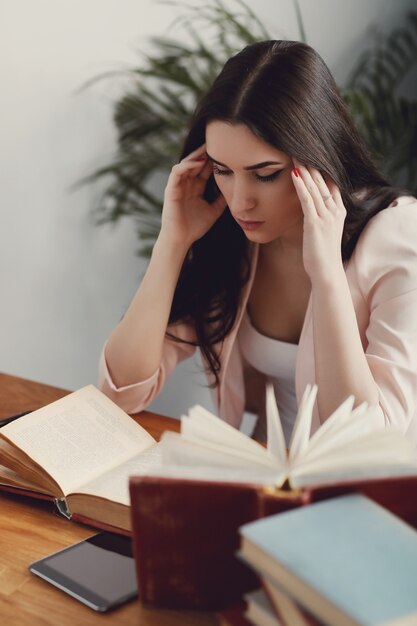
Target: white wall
64 281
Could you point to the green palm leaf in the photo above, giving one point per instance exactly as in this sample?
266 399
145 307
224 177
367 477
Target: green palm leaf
387 119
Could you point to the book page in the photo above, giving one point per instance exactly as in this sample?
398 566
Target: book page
78 437
10 478
209 447
286 607
275 434
180 450
302 426
384 452
202 427
114 484
341 428
261 477
26 469
342 424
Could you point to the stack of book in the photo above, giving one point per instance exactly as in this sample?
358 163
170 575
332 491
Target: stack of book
341 562
270 606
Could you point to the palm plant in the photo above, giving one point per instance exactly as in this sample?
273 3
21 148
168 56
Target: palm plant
387 119
153 116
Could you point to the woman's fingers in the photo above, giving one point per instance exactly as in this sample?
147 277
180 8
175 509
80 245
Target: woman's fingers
319 193
306 200
200 156
183 172
189 177
195 165
324 194
335 191
316 195
192 167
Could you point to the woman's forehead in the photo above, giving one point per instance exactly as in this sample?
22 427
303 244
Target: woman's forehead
227 143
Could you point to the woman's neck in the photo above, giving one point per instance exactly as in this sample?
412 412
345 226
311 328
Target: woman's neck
276 251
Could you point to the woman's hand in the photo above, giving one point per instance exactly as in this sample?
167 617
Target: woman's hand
324 217
186 216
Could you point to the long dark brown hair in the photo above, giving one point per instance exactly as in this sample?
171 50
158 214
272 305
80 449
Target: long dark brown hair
285 94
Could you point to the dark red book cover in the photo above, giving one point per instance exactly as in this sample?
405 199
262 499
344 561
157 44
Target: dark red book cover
185 539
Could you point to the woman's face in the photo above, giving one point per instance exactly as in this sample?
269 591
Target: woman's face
255 180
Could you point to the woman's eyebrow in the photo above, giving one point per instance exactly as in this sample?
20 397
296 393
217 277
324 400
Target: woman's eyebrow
257 166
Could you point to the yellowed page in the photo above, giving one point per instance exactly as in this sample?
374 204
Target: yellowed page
10 478
114 484
78 437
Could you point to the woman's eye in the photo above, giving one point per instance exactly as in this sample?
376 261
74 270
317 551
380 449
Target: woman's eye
269 177
265 179
220 172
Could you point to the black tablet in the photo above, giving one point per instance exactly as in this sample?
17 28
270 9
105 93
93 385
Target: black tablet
99 571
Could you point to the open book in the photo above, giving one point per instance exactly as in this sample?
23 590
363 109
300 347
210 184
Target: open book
81 451
347 446
186 512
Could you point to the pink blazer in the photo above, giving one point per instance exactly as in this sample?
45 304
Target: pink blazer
382 277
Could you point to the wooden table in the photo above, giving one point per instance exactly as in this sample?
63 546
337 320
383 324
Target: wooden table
31 529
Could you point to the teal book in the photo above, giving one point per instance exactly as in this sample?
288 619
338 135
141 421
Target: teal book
348 561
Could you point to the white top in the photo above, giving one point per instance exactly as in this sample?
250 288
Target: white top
275 359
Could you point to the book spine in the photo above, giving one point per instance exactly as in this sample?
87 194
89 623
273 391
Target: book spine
272 501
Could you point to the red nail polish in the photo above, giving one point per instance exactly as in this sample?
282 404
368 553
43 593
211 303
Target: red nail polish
296 172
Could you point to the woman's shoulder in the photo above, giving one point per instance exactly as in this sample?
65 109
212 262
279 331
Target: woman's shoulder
387 247
394 225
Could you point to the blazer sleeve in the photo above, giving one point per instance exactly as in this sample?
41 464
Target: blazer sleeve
385 262
136 397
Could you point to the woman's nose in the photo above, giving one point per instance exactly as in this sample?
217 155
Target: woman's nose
242 198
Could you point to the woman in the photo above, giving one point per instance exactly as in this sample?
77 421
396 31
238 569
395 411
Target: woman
283 254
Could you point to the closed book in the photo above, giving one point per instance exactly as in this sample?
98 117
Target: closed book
347 560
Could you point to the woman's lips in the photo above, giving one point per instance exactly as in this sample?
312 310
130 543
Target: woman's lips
249 225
